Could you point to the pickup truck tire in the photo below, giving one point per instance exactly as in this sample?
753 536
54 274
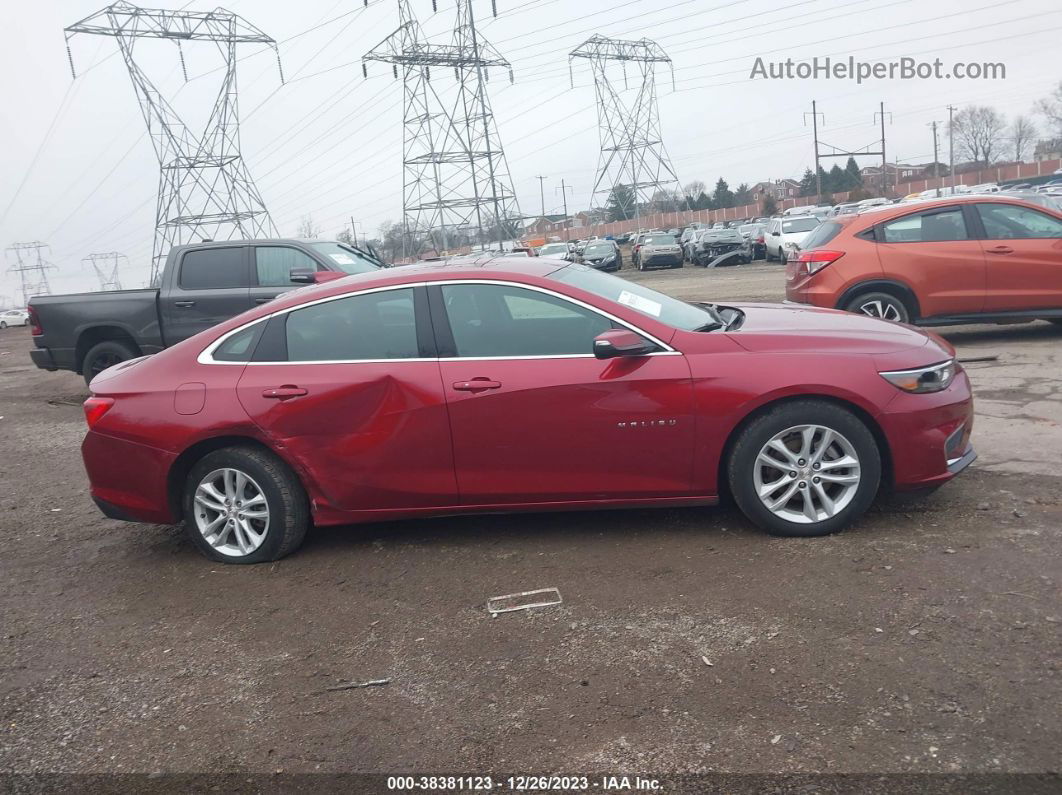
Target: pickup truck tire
106 354
278 511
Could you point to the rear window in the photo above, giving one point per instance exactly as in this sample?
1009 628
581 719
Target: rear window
799 224
661 240
213 268
240 346
822 234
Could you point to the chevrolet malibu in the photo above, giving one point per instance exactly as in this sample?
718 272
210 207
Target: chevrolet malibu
483 386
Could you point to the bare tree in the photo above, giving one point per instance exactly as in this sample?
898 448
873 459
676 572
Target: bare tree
979 133
694 189
1051 109
307 228
1022 134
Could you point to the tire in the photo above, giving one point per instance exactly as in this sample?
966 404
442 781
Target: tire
882 305
106 354
3 324
286 522
747 474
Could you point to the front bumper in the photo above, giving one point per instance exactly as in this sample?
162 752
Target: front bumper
929 435
661 259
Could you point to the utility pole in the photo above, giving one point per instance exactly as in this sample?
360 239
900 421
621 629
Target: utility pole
32 269
951 145
936 155
884 169
353 230
205 188
542 193
632 146
815 131
564 197
454 169
106 267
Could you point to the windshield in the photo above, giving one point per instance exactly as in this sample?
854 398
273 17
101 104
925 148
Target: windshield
800 225
599 250
346 259
552 249
664 308
752 229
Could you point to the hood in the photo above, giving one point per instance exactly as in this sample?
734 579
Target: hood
778 329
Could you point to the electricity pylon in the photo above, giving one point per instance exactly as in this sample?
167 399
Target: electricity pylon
106 266
32 269
632 150
205 189
454 171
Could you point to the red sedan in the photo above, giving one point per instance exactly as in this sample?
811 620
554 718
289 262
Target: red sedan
486 386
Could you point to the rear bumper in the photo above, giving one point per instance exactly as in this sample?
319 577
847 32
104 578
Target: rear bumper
48 358
128 480
42 357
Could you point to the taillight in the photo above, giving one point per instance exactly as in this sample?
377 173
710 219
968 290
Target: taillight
815 260
760 240
95 408
35 323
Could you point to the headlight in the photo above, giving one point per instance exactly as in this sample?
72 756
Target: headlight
934 378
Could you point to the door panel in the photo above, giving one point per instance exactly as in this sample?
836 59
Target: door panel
571 428
211 285
1023 248
373 434
934 254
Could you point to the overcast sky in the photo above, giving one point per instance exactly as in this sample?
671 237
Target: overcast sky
78 172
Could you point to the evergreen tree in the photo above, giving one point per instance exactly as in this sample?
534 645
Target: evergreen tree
838 180
770 206
722 196
807 183
824 178
620 204
854 177
743 195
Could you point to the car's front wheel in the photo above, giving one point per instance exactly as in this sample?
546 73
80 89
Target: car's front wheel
880 305
806 468
244 505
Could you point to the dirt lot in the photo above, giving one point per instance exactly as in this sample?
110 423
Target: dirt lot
928 638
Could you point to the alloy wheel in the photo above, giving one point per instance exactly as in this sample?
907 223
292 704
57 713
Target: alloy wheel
103 361
885 310
807 474
231 512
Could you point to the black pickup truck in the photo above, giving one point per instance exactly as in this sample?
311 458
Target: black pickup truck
201 285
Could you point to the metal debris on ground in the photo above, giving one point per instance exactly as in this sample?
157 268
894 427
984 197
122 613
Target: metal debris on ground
706 662
976 359
358 685
525 600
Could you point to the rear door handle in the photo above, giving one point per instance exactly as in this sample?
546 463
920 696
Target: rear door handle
184 303
284 392
476 385
1000 250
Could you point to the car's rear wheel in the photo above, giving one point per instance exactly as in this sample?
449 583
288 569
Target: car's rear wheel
106 354
3 324
880 305
244 505
806 468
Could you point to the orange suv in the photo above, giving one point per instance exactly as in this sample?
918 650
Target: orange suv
971 259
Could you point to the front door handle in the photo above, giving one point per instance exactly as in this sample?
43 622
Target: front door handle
184 303
476 385
1000 250
284 392
263 300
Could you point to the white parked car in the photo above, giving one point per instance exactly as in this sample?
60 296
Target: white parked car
783 234
986 187
14 317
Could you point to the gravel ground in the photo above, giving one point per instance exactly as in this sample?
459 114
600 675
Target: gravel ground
926 639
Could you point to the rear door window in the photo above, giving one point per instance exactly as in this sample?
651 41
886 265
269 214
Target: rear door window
934 227
1009 221
371 326
214 268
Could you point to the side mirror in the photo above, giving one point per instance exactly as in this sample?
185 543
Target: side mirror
301 276
776 234
621 342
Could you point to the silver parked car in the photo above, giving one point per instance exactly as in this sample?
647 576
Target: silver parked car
659 250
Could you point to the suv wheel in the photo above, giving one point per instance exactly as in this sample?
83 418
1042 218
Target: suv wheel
106 354
243 505
805 468
881 305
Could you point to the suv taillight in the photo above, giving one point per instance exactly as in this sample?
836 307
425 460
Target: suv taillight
35 323
95 408
815 260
